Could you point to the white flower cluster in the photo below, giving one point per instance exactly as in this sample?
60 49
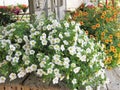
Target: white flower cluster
59 51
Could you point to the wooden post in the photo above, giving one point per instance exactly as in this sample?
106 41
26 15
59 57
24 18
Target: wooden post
113 3
46 8
31 10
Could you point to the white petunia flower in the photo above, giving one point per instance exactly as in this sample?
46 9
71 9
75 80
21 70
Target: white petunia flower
66 24
76 70
57 40
57 61
27 62
19 40
79 55
66 62
42 64
73 65
65 42
28 70
44 42
49 27
25 38
32 29
55 80
41 24
60 36
32 42
72 50
74 81
15 59
33 67
40 72
12 76
32 52
56 57
67 34
2 79
50 37
83 58
56 71
62 47
12 48
89 88
43 36
1 36
8 58
21 74
72 22
49 70
88 50
57 47
36 33
18 53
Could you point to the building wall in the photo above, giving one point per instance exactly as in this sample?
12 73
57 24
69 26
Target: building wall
13 2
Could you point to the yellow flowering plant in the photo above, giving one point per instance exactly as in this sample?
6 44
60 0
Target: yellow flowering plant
101 22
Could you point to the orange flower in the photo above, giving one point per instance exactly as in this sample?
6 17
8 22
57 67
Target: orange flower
85 13
108 7
119 45
104 13
110 57
107 41
111 19
102 17
93 27
110 36
86 32
91 36
76 14
103 33
106 51
97 25
107 20
81 23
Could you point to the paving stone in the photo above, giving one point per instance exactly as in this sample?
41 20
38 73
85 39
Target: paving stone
114 77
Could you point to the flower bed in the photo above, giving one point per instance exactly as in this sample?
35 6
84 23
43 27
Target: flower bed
102 24
56 51
7 13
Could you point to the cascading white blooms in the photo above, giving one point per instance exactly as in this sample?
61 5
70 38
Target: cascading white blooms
55 50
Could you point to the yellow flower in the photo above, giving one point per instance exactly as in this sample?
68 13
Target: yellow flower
112 48
110 40
104 13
